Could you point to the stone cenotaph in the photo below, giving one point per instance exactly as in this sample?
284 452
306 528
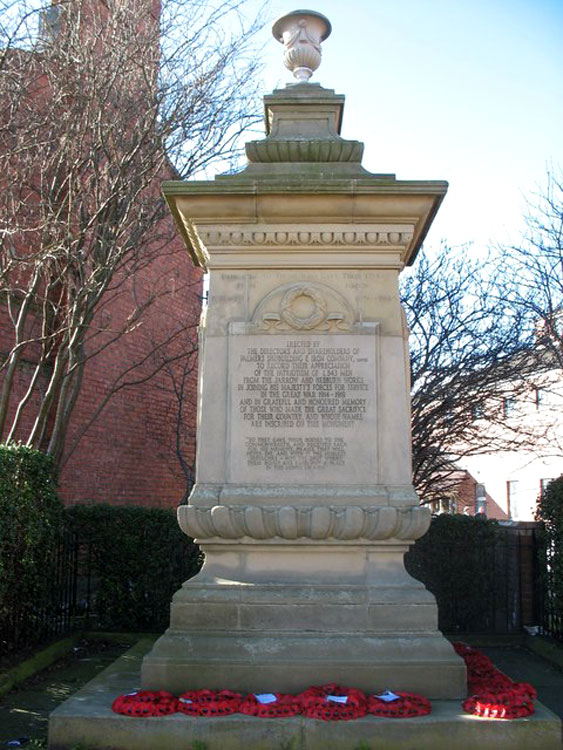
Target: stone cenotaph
304 505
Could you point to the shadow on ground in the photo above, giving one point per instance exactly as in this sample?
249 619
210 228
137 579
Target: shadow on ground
24 711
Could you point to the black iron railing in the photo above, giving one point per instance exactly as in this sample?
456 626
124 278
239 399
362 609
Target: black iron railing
501 585
69 599
551 580
493 585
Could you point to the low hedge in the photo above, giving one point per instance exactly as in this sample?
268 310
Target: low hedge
550 511
136 558
97 566
31 516
458 561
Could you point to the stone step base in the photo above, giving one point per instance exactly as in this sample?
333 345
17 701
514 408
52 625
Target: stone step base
86 719
376 628
290 662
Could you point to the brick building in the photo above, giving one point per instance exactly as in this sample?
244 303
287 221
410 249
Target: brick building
514 479
128 453
135 412
522 449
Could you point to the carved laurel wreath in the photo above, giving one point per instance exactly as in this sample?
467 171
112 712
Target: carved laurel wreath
303 323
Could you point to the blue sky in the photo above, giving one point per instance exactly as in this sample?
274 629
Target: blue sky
468 92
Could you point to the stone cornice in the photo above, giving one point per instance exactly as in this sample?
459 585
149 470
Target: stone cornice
375 184
202 207
281 235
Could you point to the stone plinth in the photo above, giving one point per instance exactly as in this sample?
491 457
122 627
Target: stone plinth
294 615
86 720
304 505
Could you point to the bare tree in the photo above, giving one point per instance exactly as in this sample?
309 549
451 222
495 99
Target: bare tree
108 99
537 262
179 378
472 353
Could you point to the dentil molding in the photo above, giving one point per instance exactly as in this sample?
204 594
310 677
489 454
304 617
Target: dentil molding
306 236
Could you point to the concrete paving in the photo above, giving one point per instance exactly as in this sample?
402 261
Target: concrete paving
24 711
524 666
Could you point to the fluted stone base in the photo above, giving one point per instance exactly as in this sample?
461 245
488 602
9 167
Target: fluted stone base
283 617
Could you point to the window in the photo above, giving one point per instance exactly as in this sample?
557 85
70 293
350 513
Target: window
547 397
511 492
477 411
543 484
49 23
480 499
509 407
443 505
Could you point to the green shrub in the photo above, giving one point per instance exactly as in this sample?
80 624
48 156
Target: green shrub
128 560
550 511
455 560
30 521
138 558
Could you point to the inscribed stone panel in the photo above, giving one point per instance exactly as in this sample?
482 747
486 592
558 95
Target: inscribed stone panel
302 409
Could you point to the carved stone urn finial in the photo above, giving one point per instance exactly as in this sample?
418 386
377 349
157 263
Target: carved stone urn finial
301 33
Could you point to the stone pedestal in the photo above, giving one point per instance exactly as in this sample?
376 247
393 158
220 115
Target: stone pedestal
304 505
284 617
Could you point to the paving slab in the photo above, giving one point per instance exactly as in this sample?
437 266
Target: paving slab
524 666
87 720
24 711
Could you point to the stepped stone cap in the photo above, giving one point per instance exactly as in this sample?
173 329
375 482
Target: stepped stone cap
303 123
301 33
302 171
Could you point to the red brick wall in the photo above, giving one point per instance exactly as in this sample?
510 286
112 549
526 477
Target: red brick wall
128 453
